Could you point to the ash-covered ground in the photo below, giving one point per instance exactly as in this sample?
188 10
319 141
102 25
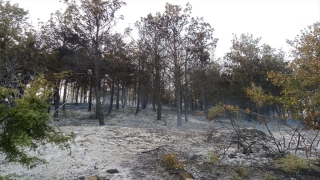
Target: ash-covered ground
132 146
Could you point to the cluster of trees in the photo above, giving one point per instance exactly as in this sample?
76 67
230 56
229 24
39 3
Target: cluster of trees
171 63
298 96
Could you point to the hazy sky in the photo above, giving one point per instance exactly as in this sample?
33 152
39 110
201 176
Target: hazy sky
273 20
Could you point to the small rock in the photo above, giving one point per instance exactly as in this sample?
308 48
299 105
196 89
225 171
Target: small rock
186 176
112 171
81 178
95 177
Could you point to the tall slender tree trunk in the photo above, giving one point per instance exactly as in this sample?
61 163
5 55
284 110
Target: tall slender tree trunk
118 95
186 93
84 93
192 101
104 91
138 99
64 94
157 87
123 97
99 112
134 94
138 89
111 97
90 93
77 94
177 82
154 97
56 100
81 95
72 92
144 98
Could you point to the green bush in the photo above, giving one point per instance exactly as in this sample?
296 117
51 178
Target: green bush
240 172
269 176
213 157
10 177
25 123
215 112
291 163
171 161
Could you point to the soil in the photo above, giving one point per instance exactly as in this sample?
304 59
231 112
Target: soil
132 146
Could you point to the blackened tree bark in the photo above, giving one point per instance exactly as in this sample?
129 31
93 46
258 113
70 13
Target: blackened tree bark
65 87
84 93
111 97
92 21
123 97
99 110
157 87
77 93
56 100
90 94
118 96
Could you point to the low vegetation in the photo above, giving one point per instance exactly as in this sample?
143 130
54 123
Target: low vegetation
213 157
291 163
26 123
240 172
171 161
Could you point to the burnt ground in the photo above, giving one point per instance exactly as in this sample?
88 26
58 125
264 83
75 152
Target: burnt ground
134 144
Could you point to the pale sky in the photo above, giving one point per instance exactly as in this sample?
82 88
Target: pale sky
273 20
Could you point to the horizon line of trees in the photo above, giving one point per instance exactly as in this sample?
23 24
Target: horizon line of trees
171 63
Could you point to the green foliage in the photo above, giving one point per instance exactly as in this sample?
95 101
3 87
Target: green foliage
249 62
240 172
299 93
171 161
214 112
213 157
269 176
291 163
25 123
10 177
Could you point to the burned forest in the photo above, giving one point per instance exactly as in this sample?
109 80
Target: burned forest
79 100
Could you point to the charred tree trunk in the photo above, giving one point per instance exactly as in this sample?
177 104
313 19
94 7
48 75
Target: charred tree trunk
81 95
84 94
72 95
177 83
134 94
144 100
138 91
56 100
118 96
111 97
104 92
77 94
154 97
123 97
90 94
99 112
186 93
157 87
138 100
64 94
191 98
